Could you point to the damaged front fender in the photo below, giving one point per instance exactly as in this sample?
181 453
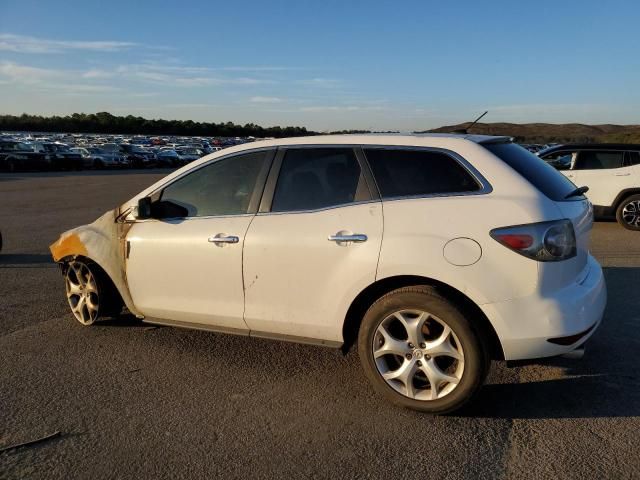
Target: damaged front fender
104 242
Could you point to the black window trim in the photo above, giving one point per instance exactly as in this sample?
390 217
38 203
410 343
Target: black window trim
255 197
627 158
483 183
272 180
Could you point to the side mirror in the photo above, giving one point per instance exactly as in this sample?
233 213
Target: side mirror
144 208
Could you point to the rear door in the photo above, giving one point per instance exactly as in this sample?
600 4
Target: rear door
632 160
604 172
313 247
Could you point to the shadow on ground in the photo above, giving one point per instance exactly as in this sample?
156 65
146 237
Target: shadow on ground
25 260
605 383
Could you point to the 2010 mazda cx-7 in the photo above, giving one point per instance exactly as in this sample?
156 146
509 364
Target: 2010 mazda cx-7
433 254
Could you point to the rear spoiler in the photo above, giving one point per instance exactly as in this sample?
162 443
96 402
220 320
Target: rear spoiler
496 140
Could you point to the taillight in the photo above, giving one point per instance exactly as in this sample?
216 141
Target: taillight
544 242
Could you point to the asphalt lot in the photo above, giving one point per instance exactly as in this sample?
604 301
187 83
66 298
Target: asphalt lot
137 402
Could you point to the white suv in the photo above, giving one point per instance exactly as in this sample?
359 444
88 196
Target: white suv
434 254
612 173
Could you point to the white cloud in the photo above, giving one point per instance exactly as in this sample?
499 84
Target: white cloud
26 74
331 108
182 76
259 99
26 44
96 73
321 82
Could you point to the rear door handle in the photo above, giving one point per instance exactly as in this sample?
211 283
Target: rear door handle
222 238
622 174
356 237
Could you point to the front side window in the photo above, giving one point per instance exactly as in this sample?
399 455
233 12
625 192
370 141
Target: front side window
221 188
598 160
315 178
406 173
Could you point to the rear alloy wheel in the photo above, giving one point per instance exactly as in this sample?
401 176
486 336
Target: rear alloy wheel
419 351
628 213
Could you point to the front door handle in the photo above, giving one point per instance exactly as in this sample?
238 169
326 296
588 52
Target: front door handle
222 238
622 174
356 237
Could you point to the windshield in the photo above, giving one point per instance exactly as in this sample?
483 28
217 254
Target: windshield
539 173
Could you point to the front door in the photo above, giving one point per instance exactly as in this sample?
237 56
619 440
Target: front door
604 172
185 264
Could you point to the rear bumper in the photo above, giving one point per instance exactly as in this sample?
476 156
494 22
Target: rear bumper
526 325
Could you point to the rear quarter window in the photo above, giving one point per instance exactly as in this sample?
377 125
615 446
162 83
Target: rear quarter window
535 170
410 173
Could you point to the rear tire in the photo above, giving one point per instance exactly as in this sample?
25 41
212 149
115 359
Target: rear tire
628 213
420 352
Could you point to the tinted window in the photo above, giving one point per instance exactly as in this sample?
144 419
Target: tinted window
595 160
313 178
633 158
401 173
222 188
539 173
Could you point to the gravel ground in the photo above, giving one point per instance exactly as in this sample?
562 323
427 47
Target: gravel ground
132 401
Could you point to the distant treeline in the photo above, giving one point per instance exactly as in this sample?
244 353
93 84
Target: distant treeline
104 122
556 133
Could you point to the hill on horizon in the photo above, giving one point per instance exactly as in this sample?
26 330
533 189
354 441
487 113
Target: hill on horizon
551 132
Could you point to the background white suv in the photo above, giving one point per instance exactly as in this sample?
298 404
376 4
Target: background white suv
612 173
434 254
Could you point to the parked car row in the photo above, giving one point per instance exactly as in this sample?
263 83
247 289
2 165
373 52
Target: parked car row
27 152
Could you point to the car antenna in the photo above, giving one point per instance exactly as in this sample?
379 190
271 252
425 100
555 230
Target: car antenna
466 130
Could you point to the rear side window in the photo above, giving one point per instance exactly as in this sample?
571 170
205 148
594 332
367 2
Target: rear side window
315 178
406 173
535 170
633 158
598 160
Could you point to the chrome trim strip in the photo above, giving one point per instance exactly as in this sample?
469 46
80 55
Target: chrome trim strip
485 186
209 162
333 207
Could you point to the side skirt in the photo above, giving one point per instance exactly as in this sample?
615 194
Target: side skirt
244 332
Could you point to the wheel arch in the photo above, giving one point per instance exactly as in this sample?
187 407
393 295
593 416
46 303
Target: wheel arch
64 265
627 192
469 308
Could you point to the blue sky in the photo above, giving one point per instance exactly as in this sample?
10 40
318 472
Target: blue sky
325 65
